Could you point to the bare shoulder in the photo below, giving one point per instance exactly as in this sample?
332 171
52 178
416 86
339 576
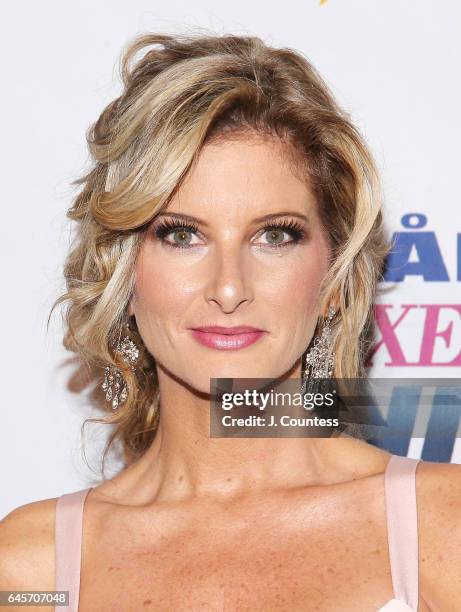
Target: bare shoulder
27 547
439 522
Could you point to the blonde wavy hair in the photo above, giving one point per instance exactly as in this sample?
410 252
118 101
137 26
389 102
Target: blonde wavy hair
180 93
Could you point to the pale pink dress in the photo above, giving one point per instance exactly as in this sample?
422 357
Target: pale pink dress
402 532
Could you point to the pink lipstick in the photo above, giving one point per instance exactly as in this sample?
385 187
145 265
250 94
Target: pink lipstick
227 338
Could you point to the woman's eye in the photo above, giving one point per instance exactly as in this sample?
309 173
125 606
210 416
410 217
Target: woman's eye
277 236
180 237
176 236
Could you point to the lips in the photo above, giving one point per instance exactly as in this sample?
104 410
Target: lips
227 338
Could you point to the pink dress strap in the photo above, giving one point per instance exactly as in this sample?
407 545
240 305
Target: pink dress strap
68 546
402 533
402 527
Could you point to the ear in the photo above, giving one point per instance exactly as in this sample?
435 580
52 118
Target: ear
130 309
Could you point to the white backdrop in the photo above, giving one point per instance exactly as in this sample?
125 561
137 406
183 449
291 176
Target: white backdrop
393 65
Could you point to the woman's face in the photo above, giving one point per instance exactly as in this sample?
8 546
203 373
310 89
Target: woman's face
241 244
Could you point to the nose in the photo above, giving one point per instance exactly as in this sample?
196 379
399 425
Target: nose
229 283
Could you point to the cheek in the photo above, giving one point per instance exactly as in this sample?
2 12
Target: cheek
156 298
293 289
162 293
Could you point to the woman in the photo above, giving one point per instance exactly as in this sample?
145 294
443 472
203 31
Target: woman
231 218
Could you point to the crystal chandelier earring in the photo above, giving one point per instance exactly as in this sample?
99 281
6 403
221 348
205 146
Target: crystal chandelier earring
320 358
114 385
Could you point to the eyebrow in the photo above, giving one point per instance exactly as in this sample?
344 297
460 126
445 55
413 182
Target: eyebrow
269 217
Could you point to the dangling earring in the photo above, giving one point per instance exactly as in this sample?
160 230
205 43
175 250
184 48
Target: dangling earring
319 359
114 384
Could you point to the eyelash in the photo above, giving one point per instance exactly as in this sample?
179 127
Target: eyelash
170 225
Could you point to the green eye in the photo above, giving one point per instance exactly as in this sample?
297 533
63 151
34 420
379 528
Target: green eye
283 234
176 234
275 236
182 237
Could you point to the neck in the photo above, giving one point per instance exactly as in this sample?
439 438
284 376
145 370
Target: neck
184 462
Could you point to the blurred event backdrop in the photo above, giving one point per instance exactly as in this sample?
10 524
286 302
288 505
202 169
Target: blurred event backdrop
393 65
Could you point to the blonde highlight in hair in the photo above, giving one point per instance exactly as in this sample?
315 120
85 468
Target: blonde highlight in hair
181 93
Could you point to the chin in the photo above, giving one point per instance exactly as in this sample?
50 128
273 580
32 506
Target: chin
201 380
